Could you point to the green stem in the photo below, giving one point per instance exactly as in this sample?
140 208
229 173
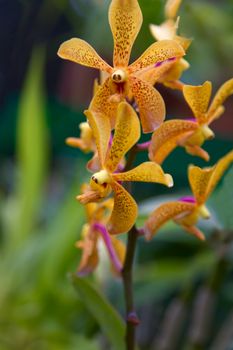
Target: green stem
127 275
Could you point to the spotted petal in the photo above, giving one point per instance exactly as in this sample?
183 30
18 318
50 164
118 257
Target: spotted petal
222 94
157 52
102 106
124 212
89 259
127 133
150 103
167 136
125 20
198 98
146 172
101 131
203 181
164 213
79 51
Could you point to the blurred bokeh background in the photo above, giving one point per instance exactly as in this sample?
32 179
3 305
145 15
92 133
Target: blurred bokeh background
183 288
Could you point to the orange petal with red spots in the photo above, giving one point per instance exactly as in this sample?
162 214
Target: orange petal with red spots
164 213
146 172
198 98
150 103
197 151
100 126
167 137
101 104
203 181
126 134
124 212
89 259
222 94
125 19
157 52
79 51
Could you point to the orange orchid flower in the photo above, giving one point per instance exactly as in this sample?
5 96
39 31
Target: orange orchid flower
170 71
191 134
186 211
125 20
127 133
95 230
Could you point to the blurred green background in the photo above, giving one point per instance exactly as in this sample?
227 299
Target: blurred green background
183 288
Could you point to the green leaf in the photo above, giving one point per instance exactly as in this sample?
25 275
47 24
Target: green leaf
32 151
108 319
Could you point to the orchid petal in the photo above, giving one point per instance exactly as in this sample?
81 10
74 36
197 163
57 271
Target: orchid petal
203 181
101 105
101 131
125 19
193 230
157 52
146 172
120 251
124 212
198 98
197 151
166 138
79 51
150 103
164 213
222 94
171 8
89 259
127 133
165 31
93 165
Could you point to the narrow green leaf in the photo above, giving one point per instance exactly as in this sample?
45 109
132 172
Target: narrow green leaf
32 150
108 319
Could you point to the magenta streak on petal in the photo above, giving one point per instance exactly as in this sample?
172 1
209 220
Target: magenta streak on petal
143 146
158 64
110 140
107 240
188 199
191 119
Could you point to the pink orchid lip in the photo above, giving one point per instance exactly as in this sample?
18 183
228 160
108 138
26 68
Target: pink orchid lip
107 240
188 199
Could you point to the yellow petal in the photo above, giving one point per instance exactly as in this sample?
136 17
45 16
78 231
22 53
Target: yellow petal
101 104
125 19
79 51
166 31
76 143
182 41
126 134
193 230
145 172
124 212
89 259
203 181
222 94
100 126
167 137
198 98
171 8
175 72
164 213
150 103
197 151
157 52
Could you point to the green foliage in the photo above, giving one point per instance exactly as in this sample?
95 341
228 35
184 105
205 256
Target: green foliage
110 322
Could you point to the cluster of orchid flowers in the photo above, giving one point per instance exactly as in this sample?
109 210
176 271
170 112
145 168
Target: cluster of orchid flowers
125 94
